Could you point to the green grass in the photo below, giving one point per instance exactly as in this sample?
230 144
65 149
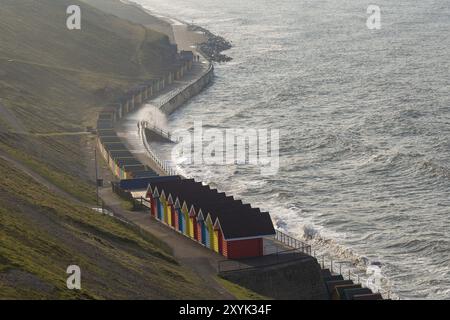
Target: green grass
131 13
58 163
42 234
239 292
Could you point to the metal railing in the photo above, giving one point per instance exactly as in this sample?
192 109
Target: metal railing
142 202
172 95
327 262
107 210
335 267
163 165
157 130
292 242
175 93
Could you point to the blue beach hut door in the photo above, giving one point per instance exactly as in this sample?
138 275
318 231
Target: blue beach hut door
204 234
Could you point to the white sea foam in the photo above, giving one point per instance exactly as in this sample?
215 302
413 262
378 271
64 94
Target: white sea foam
156 117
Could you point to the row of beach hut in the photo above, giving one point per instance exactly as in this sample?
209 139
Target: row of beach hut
213 219
120 160
122 163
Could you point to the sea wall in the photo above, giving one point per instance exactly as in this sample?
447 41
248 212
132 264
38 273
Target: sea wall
296 280
188 92
122 162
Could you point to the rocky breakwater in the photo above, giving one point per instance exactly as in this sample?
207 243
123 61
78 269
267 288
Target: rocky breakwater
213 47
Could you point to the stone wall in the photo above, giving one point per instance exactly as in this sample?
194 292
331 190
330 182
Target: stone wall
295 280
190 91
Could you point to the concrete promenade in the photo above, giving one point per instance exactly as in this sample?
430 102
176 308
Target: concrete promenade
128 129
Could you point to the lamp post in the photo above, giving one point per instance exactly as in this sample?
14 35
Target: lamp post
96 172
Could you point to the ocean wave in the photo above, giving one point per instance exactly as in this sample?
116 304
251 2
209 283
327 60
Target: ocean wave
325 245
420 245
369 272
434 169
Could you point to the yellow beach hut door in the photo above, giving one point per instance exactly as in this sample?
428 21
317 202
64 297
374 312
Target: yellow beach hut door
216 237
216 240
191 222
169 204
169 214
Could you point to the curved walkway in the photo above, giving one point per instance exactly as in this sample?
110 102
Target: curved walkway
127 128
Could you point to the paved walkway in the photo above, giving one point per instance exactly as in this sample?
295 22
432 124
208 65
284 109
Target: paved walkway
202 261
127 128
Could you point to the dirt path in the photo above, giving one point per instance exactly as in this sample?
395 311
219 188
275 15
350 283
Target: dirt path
10 118
39 179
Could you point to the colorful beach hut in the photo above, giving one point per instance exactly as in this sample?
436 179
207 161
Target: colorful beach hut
219 222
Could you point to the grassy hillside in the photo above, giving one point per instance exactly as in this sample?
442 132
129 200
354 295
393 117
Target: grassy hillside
54 80
131 12
51 75
52 83
41 234
134 13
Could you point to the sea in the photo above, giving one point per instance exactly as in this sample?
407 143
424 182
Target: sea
364 128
